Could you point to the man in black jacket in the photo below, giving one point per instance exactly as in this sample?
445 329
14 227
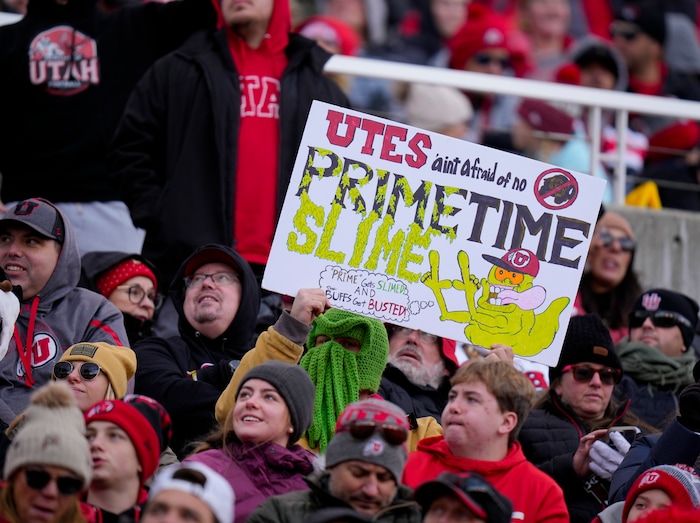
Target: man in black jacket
417 375
205 148
67 70
217 299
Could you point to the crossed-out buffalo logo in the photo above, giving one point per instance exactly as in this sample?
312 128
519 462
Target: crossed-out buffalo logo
44 350
64 60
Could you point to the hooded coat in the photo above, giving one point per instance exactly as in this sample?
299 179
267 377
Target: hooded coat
62 314
175 154
296 507
165 366
96 263
535 496
67 72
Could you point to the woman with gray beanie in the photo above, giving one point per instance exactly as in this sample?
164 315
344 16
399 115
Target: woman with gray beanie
256 449
48 464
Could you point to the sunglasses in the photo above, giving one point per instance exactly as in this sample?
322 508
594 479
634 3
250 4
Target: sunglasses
584 374
88 370
392 434
626 244
627 34
663 319
37 479
486 59
425 336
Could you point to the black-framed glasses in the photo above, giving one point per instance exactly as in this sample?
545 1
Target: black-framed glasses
487 59
219 278
88 370
663 319
425 336
626 243
585 373
360 429
37 479
137 294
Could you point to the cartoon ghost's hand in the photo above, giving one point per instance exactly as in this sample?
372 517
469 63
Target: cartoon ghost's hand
431 279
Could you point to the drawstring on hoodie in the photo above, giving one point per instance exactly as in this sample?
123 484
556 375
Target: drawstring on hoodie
25 351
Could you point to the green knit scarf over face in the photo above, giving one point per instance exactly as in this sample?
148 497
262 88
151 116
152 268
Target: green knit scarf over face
338 374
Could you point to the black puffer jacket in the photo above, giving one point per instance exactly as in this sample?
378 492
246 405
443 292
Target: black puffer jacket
550 437
165 364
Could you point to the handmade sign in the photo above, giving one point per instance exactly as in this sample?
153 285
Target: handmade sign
434 233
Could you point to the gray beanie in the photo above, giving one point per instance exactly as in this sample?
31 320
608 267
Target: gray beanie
361 434
296 388
52 433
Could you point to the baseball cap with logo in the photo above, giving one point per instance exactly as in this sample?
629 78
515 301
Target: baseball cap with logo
518 260
477 494
40 215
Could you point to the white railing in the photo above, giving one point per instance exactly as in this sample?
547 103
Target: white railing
595 99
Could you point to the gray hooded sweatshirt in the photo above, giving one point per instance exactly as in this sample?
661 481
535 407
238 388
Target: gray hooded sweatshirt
62 315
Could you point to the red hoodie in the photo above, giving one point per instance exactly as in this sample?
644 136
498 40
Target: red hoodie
535 496
260 71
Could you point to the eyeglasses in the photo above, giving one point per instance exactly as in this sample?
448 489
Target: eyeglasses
628 34
37 479
88 370
392 434
585 373
219 278
663 319
137 294
626 243
486 59
425 336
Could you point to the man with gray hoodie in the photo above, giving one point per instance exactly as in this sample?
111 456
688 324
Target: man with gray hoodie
38 252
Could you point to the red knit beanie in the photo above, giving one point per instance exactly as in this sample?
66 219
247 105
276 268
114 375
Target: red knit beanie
121 272
488 31
141 432
679 482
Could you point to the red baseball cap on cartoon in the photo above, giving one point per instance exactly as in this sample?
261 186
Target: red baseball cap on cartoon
518 260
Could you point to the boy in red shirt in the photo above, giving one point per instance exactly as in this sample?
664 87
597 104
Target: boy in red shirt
487 405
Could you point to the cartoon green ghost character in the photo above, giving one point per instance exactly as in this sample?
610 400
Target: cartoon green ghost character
505 311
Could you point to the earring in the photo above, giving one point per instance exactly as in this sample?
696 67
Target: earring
291 429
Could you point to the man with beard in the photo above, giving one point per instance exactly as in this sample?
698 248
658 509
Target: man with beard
418 371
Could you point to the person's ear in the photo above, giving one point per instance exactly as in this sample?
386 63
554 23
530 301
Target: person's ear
510 420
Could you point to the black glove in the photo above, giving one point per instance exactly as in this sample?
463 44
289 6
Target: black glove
689 406
218 374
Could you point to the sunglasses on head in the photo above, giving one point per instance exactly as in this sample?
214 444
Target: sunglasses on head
486 59
663 319
37 479
88 370
392 434
585 373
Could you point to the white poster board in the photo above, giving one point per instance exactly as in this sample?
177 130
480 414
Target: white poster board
434 233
